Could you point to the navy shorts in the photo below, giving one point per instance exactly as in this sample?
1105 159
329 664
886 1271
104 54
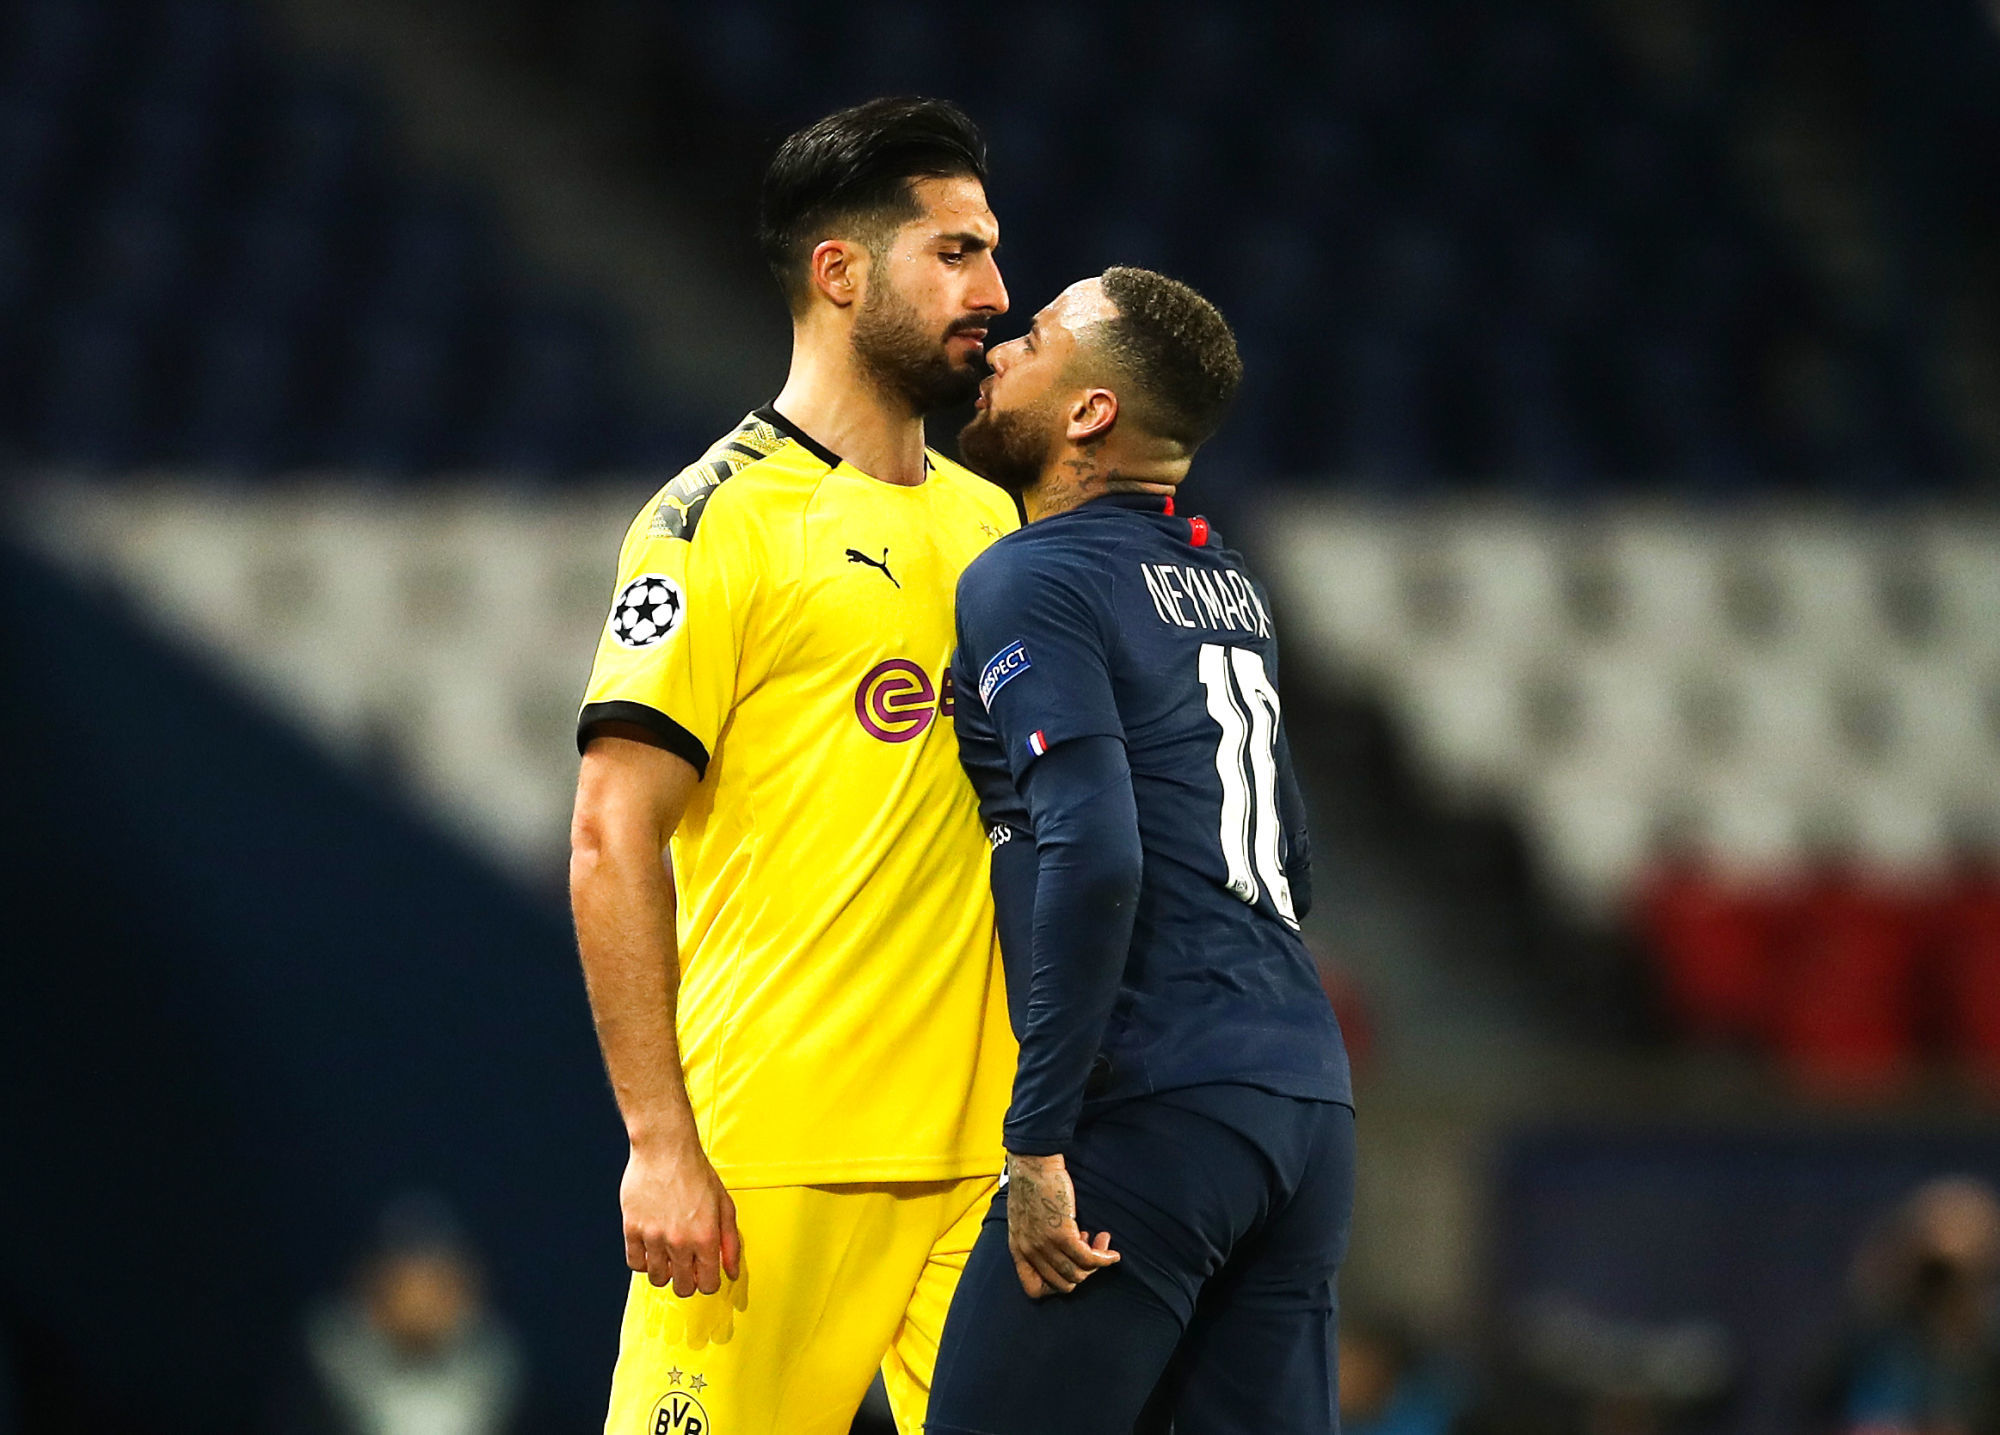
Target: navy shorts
1230 1207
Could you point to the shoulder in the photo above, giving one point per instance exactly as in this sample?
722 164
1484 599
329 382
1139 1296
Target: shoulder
759 465
999 565
983 494
1032 571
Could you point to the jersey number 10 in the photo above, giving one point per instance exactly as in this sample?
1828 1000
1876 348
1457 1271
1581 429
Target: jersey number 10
1245 706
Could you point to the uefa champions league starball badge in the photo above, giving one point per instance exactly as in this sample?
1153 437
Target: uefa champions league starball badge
648 610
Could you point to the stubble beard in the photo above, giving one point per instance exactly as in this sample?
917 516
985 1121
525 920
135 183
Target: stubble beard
909 360
1008 449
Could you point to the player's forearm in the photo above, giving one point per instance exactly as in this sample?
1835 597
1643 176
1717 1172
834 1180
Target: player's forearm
1089 866
1013 874
623 899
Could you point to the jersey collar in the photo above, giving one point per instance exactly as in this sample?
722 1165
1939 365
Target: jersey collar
770 415
1143 502
1198 532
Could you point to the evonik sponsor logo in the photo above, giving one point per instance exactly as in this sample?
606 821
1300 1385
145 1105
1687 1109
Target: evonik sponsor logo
896 700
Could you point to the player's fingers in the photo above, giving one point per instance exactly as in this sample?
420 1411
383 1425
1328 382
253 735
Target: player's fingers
659 1262
1086 1263
732 1240
1080 1253
1050 1268
1101 1243
1035 1276
708 1270
687 1269
635 1249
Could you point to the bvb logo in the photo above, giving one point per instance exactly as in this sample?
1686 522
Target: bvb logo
679 1414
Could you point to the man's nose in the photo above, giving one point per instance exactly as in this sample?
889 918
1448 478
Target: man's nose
991 294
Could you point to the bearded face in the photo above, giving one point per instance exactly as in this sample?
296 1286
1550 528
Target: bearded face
1009 447
913 358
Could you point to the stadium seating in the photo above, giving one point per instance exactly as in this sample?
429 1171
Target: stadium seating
1714 944
189 215
1463 244
1967 933
436 637
1769 740
1844 1006
1718 729
1731 667
1488 285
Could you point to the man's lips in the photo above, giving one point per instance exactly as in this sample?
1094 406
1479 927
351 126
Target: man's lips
975 337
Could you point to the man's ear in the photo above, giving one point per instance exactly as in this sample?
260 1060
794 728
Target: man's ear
1092 415
839 270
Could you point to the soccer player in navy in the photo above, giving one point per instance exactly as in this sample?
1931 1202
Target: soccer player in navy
1180 1166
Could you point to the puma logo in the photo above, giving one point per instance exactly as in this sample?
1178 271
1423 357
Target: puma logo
855 555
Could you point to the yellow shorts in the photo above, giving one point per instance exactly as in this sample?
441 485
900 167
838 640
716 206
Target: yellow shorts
836 1281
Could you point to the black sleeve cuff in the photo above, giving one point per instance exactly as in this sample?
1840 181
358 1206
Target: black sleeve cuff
659 729
1033 1145
1299 879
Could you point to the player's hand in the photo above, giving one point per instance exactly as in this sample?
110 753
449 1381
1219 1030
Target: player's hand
1050 1253
680 1224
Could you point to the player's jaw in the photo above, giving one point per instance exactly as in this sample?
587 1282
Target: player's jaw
907 354
1008 446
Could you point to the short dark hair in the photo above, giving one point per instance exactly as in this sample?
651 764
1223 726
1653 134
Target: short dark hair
1176 349
853 171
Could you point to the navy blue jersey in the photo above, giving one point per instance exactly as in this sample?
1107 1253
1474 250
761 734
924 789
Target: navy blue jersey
1118 619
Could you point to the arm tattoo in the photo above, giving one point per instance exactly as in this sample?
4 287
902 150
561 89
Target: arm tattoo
1034 1202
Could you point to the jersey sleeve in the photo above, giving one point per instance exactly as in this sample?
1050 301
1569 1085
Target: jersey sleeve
1292 822
669 655
1035 639
980 756
1090 863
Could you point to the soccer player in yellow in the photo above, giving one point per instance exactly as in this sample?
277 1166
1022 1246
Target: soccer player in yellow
802 1012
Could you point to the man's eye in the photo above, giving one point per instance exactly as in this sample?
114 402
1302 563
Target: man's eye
953 256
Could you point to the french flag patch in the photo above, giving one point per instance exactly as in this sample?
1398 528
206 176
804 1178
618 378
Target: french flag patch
1038 742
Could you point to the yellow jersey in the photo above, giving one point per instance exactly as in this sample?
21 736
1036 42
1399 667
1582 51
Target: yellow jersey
784 622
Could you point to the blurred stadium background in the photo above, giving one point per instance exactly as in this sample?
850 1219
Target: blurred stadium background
1621 440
